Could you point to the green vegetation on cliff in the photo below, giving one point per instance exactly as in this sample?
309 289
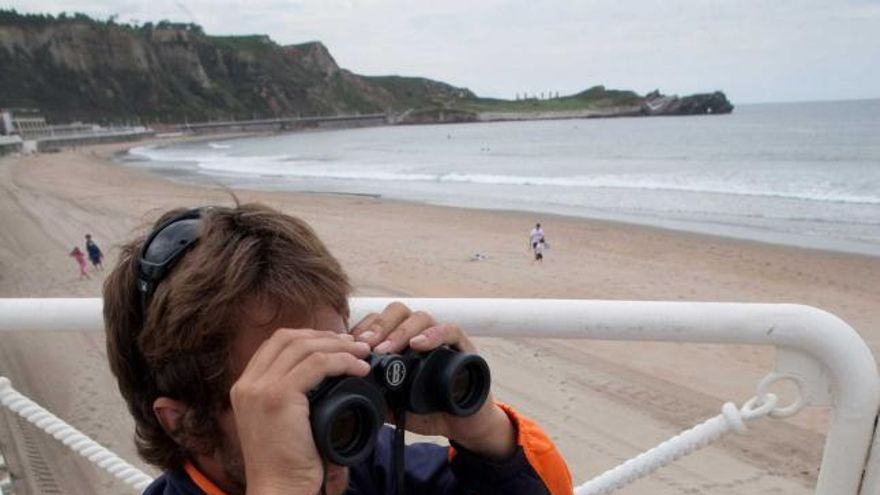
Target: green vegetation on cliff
594 98
72 67
77 68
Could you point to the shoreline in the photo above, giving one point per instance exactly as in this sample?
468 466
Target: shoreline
600 401
712 227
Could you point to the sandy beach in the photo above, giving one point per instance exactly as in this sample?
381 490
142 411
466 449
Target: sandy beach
602 402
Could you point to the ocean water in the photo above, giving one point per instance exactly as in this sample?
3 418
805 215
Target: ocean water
805 174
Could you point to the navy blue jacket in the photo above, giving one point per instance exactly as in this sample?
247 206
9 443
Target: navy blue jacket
536 468
428 472
94 252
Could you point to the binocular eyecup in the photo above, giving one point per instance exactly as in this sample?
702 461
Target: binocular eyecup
347 412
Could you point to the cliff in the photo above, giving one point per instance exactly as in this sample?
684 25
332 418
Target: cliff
595 102
698 104
77 68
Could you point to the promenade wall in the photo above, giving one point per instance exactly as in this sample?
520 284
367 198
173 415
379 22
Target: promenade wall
58 142
10 144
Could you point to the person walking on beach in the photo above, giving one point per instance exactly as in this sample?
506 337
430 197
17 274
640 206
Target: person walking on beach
536 235
539 251
95 254
80 258
220 323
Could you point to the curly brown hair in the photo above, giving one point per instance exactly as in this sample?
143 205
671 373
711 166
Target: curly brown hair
181 347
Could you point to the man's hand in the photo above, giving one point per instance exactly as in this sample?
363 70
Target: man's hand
489 431
272 410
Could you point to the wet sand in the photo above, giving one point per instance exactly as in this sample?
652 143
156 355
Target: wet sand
603 402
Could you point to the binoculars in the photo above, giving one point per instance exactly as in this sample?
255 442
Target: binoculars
347 412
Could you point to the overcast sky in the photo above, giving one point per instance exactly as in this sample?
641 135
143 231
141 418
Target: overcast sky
755 50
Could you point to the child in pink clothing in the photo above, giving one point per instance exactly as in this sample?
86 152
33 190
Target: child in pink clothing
80 258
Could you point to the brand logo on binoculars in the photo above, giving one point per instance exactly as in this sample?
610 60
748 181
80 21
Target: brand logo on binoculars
395 373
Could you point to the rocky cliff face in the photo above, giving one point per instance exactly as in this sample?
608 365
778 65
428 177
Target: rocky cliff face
698 104
79 69
76 68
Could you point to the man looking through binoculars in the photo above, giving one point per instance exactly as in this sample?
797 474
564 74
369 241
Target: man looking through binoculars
222 322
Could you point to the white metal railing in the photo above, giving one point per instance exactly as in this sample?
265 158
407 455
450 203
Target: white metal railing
71 437
826 358
685 443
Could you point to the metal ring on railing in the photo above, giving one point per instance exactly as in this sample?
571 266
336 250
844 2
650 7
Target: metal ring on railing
685 443
791 409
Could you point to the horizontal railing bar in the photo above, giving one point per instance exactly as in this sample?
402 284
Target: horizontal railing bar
821 335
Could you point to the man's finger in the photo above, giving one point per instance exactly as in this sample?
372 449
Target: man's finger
318 366
363 325
296 353
271 348
390 317
398 339
443 334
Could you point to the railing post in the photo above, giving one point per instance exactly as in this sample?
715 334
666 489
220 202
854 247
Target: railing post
871 480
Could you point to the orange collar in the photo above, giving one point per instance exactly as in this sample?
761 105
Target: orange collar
201 480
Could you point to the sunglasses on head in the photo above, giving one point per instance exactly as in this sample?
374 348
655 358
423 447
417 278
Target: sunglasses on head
163 248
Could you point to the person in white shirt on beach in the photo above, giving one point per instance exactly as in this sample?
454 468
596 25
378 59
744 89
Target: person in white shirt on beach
536 235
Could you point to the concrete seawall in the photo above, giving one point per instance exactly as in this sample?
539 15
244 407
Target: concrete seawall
285 124
58 142
10 144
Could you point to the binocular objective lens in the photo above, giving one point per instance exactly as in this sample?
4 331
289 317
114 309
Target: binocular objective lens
463 386
346 430
346 414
